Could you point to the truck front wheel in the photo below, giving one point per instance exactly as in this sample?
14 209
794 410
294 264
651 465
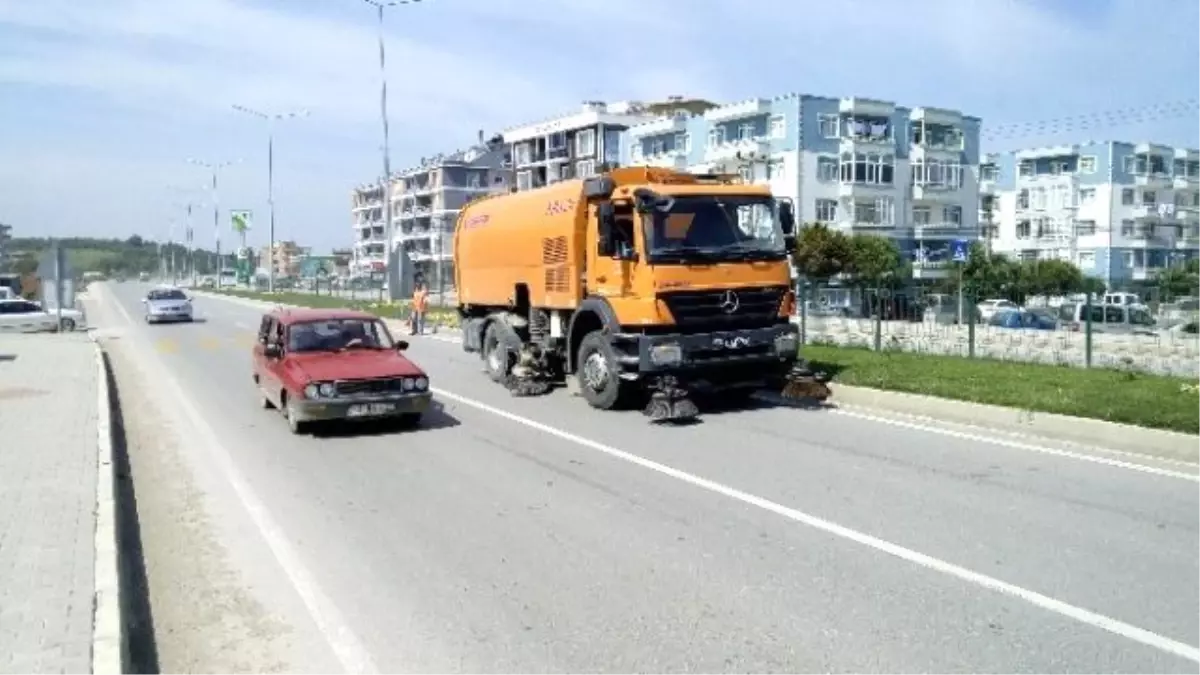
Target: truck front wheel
599 373
499 351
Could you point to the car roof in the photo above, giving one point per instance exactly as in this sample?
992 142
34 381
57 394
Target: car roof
291 315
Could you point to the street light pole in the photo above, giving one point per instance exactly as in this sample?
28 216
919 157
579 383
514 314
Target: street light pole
380 6
271 119
215 168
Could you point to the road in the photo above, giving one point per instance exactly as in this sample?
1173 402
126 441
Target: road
538 535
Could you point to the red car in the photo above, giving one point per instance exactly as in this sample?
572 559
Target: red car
319 365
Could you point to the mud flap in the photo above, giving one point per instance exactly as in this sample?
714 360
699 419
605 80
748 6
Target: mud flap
670 403
802 382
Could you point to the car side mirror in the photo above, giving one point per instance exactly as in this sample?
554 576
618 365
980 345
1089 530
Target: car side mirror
272 351
401 345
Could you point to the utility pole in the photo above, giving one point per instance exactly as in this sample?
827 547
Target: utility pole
392 274
215 168
271 119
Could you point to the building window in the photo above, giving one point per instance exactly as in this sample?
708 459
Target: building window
746 132
937 173
921 215
585 169
827 210
747 173
1025 169
828 125
1087 196
1149 198
523 154
775 170
777 127
1059 168
1127 228
867 168
635 150
557 141
524 180
878 211
1085 228
1087 260
1127 258
1127 197
716 137
952 215
683 143
658 147
989 172
1023 229
585 143
827 168
1087 164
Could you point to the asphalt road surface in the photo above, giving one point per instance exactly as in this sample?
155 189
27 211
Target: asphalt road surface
538 535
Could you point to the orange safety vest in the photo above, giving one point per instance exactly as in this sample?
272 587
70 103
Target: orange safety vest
420 300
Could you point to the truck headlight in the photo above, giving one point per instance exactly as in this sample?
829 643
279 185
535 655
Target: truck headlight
668 354
787 344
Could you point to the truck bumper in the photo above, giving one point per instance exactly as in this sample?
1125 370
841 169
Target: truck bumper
717 360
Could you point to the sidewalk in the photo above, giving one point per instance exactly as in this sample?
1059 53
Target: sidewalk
48 486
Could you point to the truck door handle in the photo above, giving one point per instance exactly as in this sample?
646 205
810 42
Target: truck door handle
601 279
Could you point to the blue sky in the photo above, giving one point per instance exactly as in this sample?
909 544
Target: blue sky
102 101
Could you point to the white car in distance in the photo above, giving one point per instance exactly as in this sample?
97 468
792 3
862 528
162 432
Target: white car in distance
18 315
989 308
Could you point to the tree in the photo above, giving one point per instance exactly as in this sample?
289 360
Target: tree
1052 277
873 260
1179 281
821 252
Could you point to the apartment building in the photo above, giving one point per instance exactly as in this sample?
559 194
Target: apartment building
864 165
284 258
1120 211
574 145
426 200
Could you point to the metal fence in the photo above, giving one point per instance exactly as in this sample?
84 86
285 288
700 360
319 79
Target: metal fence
1082 332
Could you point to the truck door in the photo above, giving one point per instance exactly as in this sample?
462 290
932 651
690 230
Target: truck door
610 271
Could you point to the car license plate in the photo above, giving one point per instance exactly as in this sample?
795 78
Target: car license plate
365 409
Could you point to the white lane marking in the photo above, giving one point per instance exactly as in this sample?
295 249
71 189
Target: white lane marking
979 435
1056 606
346 646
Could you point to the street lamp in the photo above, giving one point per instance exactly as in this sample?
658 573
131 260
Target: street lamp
271 119
188 234
215 168
380 6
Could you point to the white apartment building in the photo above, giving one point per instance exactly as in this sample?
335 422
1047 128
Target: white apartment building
1122 212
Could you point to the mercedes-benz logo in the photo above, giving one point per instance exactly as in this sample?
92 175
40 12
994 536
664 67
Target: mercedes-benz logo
729 302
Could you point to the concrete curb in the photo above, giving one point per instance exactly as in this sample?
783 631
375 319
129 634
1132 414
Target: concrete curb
1112 435
108 627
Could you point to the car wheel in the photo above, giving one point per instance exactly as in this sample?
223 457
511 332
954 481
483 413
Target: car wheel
599 374
67 325
294 424
265 401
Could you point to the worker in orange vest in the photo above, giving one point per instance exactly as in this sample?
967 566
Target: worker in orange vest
420 303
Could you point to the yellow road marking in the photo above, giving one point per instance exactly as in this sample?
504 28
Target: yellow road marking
210 343
166 345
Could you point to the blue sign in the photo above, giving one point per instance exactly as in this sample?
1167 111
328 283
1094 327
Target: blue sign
960 249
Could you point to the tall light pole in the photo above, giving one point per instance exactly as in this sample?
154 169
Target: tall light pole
188 235
380 6
215 168
271 119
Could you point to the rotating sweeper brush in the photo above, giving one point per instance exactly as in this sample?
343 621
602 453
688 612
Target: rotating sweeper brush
802 382
670 402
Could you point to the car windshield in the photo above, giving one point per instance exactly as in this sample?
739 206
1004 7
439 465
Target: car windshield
166 294
706 227
338 334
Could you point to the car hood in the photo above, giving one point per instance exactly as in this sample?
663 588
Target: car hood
355 364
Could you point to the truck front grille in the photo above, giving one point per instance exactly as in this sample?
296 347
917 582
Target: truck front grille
751 307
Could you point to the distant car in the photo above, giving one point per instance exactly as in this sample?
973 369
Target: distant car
319 365
1013 318
987 308
25 316
167 304
144 276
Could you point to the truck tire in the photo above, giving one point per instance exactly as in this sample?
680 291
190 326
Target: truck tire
599 374
500 347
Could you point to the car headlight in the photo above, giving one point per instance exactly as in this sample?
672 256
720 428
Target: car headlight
312 391
668 354
409 384
786 344
421 383
327 389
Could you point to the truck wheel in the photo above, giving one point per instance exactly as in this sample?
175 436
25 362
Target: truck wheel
599 373
499 352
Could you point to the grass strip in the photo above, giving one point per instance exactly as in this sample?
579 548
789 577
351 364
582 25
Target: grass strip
1141 399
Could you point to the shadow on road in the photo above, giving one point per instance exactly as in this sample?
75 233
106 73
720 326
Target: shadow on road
142 654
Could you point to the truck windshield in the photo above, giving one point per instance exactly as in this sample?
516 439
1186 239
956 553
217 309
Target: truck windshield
714 229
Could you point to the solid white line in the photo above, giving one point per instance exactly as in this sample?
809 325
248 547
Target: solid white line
1081 615
108 630
346 646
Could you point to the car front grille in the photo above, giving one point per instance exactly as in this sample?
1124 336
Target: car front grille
369 387
696 309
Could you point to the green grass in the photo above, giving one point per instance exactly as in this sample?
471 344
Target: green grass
1153 401
387 310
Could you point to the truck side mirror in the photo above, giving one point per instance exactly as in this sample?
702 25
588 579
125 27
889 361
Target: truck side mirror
787 219
605 215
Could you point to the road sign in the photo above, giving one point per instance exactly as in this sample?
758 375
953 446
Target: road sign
240 220
960 250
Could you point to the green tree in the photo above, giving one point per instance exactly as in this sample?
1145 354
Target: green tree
1052 277
1180 281
821 253
873 261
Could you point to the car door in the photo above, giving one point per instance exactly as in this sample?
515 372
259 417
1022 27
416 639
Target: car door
28 317
273 367
257 355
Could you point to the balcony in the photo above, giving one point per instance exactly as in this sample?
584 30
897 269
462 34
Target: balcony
867 225
1153 180
935 193
672 159
849 190
733 111
1144 273
663 125
936 116
731 149
938 230
1185 182
867 143
853 105
1147 211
